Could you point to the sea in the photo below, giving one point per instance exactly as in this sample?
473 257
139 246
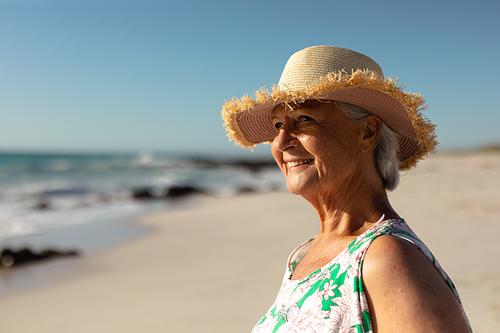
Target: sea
47 192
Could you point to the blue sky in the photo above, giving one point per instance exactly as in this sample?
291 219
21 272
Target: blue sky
111 75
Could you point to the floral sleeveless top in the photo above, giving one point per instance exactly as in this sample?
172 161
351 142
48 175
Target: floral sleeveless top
332 299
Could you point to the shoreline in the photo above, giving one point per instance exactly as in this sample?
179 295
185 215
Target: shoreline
86 240
217 266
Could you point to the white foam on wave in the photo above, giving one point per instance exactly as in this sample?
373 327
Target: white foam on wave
39 192
21 219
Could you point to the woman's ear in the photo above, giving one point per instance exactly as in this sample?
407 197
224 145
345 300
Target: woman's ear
370 129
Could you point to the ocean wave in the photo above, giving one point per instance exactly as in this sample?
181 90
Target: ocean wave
39 192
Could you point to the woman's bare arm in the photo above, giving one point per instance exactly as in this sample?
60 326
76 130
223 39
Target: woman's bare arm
406 293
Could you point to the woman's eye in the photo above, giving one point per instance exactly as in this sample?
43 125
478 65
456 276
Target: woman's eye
304 118
278 125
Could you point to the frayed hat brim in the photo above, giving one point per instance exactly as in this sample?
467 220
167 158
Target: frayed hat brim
248 120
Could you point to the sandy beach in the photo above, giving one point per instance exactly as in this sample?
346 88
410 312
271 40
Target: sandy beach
217 266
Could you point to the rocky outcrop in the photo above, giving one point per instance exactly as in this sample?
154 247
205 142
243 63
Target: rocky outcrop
10 257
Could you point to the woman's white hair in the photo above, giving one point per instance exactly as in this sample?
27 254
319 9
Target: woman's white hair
385 149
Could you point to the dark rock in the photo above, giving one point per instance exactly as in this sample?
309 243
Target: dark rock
10 258
252 165
142 193
42 204
181 191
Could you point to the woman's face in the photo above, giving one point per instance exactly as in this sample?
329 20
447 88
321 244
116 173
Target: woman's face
316 147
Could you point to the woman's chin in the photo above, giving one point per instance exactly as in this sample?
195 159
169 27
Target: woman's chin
293 191
298 188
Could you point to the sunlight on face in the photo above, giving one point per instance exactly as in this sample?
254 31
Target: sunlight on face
316 146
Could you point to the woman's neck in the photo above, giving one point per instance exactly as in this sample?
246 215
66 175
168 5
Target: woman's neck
348 209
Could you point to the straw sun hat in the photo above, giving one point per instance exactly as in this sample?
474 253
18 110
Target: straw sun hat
338 74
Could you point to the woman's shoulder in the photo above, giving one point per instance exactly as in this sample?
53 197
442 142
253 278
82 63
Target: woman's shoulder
389 249
404 289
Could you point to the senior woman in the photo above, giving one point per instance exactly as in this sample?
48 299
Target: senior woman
341 133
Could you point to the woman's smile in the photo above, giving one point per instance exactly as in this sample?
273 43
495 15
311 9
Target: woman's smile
291 165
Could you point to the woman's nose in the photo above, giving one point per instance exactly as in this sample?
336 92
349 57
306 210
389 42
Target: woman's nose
285 139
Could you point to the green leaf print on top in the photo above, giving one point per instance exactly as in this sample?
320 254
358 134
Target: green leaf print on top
330 285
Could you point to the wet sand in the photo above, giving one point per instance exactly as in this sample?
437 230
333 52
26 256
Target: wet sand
216 267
